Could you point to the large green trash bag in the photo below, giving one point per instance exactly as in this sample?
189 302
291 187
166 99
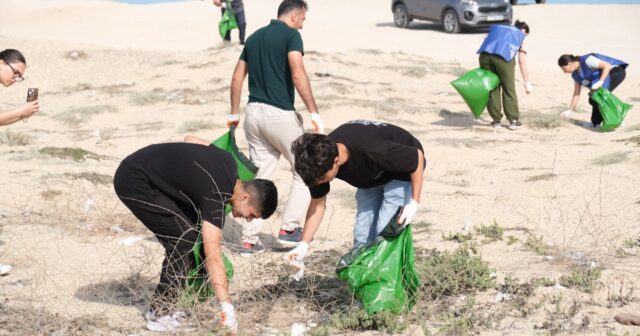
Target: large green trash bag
475 87
612 109
228 21
382 273
246 169
198 286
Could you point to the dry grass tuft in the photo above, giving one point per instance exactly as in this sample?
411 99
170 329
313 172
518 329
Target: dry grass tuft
11 138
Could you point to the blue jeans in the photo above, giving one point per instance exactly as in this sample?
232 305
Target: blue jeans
375 208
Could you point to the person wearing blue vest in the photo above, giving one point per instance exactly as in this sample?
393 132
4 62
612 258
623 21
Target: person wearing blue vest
593 71
497 54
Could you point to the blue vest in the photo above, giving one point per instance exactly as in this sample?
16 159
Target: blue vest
587 76
503 40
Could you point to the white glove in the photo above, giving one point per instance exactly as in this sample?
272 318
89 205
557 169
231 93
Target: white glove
596 85
566 114
296 256
318 125
228 317
528 87
233 119
408 212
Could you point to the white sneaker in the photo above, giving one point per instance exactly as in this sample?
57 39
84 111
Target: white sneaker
5 269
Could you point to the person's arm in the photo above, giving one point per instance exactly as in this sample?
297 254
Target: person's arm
605 68
524 69
237 80
19 113
417 177
301 81
196 140
214 264
576 94
315 213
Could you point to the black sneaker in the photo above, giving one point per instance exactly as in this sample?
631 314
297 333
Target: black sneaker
514 125
496 124
290 238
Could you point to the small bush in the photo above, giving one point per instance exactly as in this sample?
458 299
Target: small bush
10 138
450 274
537 245
458 237
492 232
582 278
77 154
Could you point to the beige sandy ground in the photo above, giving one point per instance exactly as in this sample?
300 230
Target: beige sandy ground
148 74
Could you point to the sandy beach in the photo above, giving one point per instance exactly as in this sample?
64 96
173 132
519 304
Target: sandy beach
116 77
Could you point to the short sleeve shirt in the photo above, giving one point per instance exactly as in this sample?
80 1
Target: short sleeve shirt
192 174
267 55
378 153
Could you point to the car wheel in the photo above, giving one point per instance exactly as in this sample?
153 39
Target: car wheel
400 16
541 1
450 22
514 2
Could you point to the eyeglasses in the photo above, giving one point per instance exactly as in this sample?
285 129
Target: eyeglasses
17 76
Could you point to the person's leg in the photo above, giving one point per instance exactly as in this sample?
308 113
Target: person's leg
368 203
494 105
262 154
507 73
173 228
395 195
242 25
284 127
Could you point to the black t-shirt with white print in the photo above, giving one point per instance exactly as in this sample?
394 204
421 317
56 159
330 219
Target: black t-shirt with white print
192 174
378 153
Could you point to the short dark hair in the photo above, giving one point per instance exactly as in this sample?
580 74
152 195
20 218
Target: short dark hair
566 59
264 194
314 156
522 25
287 6
12 56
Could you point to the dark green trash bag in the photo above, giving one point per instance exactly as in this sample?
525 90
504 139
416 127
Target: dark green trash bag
382 273
475 87
228 21
612 109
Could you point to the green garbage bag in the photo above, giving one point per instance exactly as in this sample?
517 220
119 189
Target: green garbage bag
612 109
475 87
228 21
382 273
198 286
246 169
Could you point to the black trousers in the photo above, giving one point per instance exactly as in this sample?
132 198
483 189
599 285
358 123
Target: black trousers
616 76
173 223
242 25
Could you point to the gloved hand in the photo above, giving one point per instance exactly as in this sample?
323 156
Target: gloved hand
528 87
566 114
233 119
318 125
596 85
408 212
296 256
228 318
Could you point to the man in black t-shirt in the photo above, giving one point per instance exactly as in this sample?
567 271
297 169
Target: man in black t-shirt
172 188
385 163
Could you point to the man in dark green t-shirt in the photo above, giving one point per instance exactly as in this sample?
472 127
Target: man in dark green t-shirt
272 57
